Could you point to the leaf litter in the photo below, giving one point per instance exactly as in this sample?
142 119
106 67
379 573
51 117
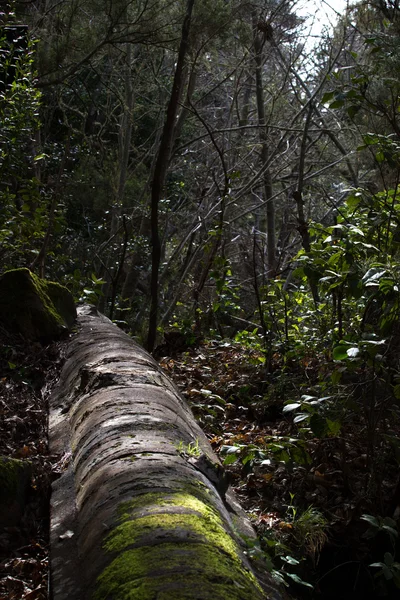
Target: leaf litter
28 373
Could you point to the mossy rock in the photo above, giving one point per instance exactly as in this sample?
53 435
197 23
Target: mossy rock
15 479
38 309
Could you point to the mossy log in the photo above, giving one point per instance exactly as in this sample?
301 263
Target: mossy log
35 308
142 510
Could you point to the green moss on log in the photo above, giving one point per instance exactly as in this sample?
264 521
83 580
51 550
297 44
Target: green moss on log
203 562
173 572
36 308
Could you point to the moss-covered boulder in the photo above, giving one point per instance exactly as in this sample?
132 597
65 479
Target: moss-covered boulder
38 309
15 478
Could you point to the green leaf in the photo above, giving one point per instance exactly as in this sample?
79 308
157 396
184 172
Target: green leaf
291 407
230 449
336 377
297 579
340 352
373 275
301 417
353 201
336 104
327 97
230 459
290 560
334 427
371 520
249 457
386 285
379 156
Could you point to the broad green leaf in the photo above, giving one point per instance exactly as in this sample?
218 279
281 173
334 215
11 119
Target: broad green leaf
340 352
297 579
230 449
334 427
380 157
327 97
336 104
205 392
336 377
371 520
290 560
301 417
291 407
230 459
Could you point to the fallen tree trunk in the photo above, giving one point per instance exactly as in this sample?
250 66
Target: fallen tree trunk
142 509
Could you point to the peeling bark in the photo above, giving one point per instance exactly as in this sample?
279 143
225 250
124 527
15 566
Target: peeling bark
142 509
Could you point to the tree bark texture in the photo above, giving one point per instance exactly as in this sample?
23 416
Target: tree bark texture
142 509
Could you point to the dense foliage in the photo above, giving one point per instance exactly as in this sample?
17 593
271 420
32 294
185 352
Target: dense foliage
208 163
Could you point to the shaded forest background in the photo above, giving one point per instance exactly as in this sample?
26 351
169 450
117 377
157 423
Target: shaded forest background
228 194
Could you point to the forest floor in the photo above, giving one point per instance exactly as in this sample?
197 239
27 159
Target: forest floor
28 373
325 507
305 495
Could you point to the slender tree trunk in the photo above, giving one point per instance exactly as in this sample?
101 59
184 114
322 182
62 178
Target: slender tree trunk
124 146
244 114
298 197
191 86
160 172
258 44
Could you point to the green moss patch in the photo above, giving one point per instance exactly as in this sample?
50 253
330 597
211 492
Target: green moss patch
205 564
174 571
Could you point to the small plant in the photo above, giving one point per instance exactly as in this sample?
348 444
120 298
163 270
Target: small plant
191 449
277 449
378 525
315 412
389 567
93 294
308 529
278 557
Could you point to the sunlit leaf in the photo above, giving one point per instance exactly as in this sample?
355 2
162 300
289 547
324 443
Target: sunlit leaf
291 407
353 352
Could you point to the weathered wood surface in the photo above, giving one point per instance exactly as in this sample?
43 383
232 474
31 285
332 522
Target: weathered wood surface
134 516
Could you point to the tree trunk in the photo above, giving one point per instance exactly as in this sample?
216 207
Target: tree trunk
124 147
263 133
142 508
160 172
